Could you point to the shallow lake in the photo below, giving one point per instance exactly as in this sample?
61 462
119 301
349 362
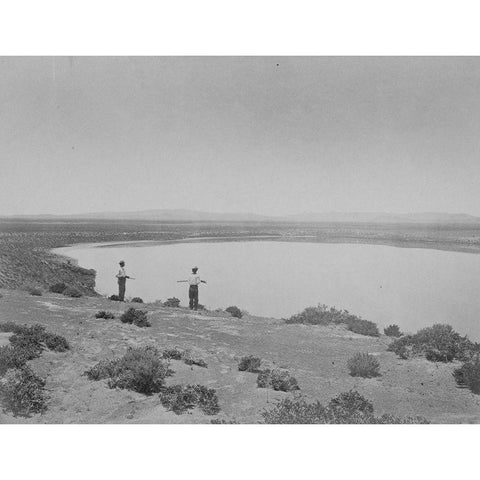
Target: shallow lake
411 287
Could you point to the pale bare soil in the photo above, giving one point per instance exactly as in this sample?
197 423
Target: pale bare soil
315 355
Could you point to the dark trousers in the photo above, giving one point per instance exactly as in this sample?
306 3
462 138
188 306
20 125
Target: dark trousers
121 288
193 296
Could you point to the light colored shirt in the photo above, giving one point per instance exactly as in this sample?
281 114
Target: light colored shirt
122 273
194 279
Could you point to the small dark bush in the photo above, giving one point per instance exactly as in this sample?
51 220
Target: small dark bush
234 311
172 302
363 327
101 370
10 327
180 399
30 340
347 408
141 369
137 300
72 292
249 364
350 407
58 287
114 298
439 343
54 342
392 331
173 353
468 375
22 392
363 365
137 317
323 315
189 359
33 340
296 411
12 357
104 314
223 421
388 419
185 355
36 292
201 307
320 315
277 379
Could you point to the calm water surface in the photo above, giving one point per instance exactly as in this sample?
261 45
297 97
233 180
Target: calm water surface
410 287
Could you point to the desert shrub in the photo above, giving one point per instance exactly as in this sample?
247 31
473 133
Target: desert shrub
58 287
22 392
114 298
185 355
101 370
180 399
363 327
324 315
201 307
54 342
12 357
190 359
30 340
277 379
234 311
137 300
9 327
439 343
347 408
36 292
392 331
468 375
33 340
72 292
249 364
172 302
389 419
137 317
223 421
172 353
26 344
321 315
104 314
141 369
296 411
363 365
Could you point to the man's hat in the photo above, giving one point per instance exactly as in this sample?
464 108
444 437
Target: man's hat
121 262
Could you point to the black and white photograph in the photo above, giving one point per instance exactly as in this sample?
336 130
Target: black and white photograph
240 240
225 240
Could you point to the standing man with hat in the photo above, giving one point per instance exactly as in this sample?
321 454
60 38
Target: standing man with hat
122 280
194 281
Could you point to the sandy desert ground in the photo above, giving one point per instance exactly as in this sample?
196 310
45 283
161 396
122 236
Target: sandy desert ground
315 355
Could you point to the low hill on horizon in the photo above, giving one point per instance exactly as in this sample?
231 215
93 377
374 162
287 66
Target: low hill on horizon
184 215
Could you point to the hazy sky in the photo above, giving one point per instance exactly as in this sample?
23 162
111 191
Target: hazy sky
244 134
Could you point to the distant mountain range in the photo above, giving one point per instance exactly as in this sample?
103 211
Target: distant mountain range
197 216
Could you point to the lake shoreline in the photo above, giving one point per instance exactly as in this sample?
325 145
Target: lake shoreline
26 256
411 287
